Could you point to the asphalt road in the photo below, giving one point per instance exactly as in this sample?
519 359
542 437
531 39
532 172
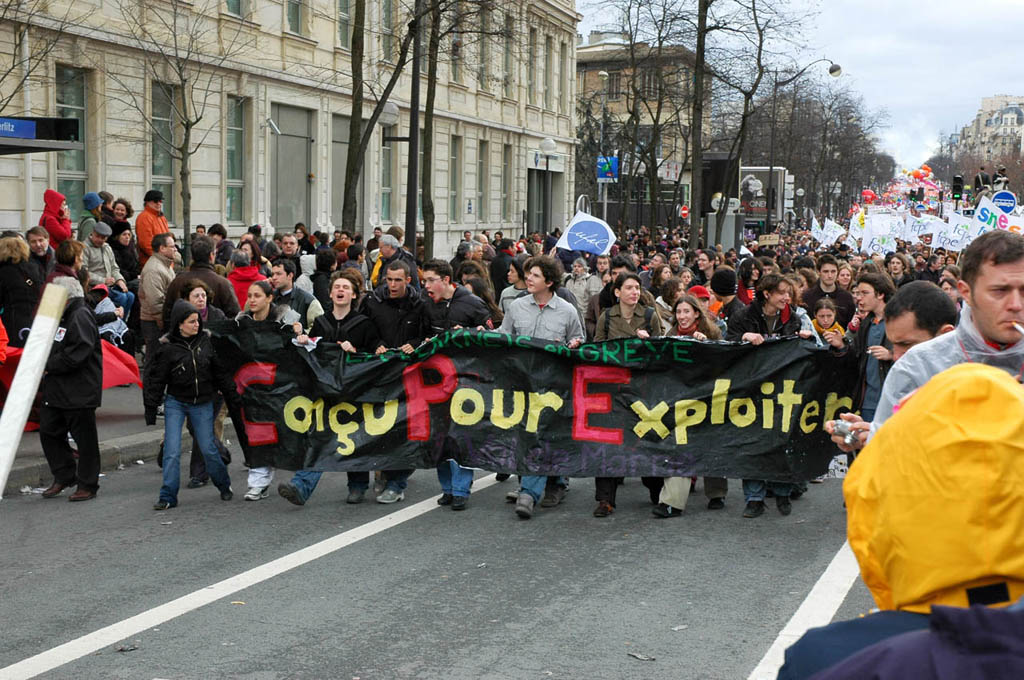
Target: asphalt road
478 594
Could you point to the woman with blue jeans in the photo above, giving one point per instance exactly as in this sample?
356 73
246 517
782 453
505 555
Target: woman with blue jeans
186 369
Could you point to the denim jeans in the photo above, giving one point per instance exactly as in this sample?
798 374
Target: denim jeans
754 489
201 416
535 484
454 478
306 480
123 299
396 480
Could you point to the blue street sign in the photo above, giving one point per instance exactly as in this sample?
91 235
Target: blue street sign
1005 201
607 169
23 129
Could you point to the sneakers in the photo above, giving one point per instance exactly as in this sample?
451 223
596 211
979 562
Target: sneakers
256 493
603 509
716 504
783 504
355 496
524 506
753 509
195 483
290 493
664 510
445 499
459 502
227 494
512 496
390 496
553 496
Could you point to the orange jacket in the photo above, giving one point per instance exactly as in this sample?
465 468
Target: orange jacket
148 224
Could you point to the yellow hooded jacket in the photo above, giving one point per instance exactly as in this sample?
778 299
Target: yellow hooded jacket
935 502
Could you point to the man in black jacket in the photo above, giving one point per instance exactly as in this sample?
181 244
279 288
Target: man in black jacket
451 306
400 316
72 390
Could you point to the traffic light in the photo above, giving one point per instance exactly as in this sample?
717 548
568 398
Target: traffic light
958 187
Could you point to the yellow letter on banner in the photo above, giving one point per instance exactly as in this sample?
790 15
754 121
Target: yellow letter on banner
650 419
498 409
689 412
377 426
467 395
346 446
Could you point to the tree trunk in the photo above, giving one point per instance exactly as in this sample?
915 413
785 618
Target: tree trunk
185 176
697 125
426 171
354 161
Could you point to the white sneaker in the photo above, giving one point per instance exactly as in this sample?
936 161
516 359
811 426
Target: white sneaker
256 493
511 496
390 496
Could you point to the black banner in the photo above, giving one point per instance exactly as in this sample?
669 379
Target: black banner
630 407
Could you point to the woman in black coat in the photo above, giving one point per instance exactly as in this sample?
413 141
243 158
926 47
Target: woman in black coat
20 288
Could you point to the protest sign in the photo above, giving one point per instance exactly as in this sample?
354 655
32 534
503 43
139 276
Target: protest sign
831 232
657 407
878 234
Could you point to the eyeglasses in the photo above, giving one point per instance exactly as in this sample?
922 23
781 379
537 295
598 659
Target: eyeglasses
431 279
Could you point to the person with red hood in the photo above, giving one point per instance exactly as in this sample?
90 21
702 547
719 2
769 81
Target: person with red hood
243 274
55 218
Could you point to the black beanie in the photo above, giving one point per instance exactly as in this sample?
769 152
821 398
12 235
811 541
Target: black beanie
723 282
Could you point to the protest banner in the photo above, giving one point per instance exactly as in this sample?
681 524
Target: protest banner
816 232
514 404
988 216
953 235
878 234
831 232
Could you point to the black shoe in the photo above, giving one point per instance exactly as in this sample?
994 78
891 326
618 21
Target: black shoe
355 496
445 499
603 509
753 509
716 504
794 494
665 510
227 494
290 493
501 477
459 502
783 504
196 483
163 505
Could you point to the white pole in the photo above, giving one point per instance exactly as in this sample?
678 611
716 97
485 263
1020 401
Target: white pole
29 373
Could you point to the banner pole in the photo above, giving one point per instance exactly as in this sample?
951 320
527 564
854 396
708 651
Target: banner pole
27 377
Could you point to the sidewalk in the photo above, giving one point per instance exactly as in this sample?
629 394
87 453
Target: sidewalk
123 434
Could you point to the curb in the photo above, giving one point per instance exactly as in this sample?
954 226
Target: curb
33 471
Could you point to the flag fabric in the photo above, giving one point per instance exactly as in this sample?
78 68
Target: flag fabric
589 234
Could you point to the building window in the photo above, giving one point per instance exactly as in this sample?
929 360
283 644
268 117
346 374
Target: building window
71 165
344 25
506 182
548 74
614 85
162 167
531 67
484 73
387 28
234 148
294 10
483 182
563 77
454 173
234 7
509 78
386 172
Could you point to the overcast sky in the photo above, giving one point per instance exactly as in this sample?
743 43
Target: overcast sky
928 64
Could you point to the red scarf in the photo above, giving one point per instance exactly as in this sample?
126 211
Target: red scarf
689 330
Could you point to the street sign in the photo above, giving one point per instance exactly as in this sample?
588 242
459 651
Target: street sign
684 211
734 204
23 129
1005 201
607 169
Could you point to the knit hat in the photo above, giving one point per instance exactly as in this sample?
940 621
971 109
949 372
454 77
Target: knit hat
153 196
92 200
723 282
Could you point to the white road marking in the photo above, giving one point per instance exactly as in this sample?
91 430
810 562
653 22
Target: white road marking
104 637
817 609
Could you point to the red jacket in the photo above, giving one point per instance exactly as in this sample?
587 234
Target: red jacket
57 224
243 277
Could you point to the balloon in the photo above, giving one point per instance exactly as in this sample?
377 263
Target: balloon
926 169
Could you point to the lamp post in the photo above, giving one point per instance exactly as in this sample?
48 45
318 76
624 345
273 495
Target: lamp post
802 213
835 71
547 147
603 186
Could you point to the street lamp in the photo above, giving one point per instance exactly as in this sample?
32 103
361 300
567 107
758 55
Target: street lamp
603 186
548 148
834 70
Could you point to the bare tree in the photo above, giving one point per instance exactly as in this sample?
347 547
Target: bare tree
184 51
35 32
